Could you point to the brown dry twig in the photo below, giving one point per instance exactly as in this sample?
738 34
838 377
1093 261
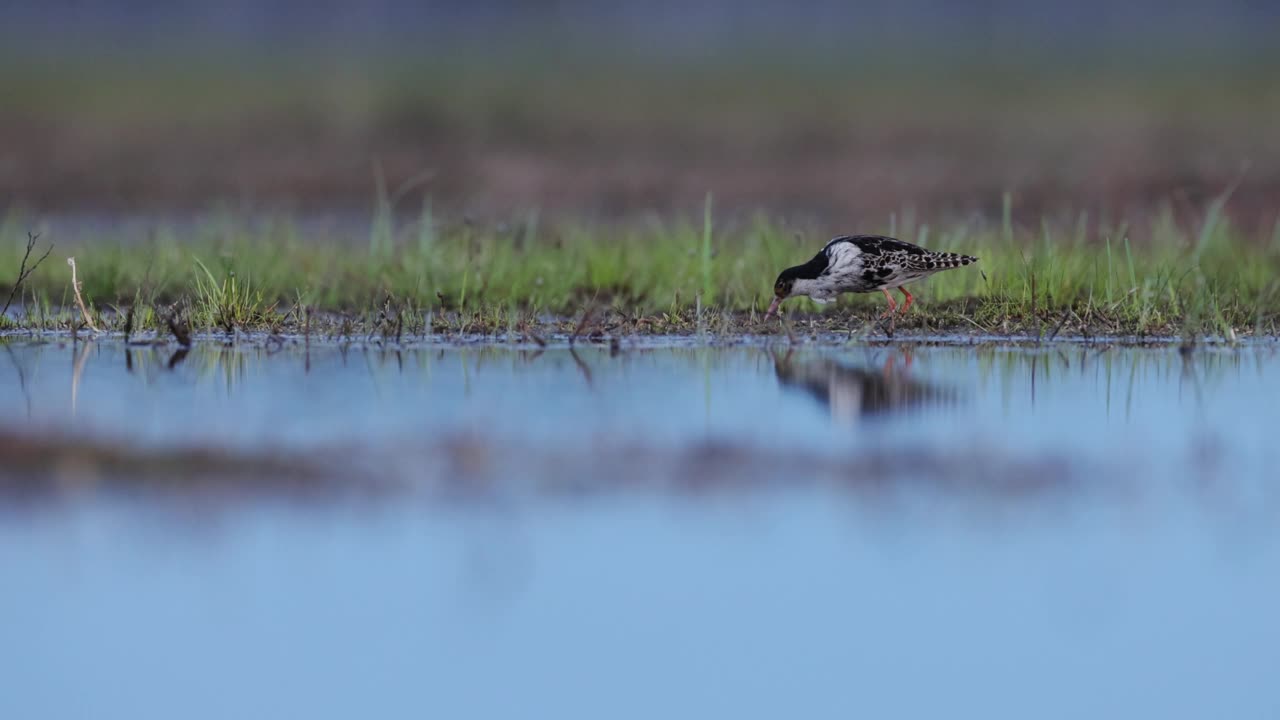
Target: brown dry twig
180 328
75 285
582 324
23 271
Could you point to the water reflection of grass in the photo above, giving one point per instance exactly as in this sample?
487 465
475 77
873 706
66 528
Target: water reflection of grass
1117 373
424 275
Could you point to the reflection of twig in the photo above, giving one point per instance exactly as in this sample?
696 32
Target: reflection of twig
22 377
306 339
178 356
75 285
1034 362
586 371
76 372
23 271
1189 371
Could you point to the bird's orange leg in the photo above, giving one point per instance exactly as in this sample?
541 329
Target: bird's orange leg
893 304
909 299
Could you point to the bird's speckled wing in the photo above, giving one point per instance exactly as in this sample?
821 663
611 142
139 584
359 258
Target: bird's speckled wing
889 262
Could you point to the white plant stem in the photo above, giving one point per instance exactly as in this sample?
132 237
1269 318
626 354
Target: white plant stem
75 285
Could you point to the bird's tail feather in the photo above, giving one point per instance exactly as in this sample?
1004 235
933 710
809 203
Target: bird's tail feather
949 260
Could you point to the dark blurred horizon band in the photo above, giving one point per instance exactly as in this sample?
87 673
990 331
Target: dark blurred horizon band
835 110
672 23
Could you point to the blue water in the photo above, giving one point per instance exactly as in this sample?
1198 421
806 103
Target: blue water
1145 587
1087 400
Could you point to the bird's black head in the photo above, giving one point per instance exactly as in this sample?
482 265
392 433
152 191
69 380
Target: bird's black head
785 282
785 286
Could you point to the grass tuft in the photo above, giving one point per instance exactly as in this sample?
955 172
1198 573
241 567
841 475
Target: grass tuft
228 304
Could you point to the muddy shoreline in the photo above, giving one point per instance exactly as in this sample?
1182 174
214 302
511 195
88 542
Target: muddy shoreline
617 330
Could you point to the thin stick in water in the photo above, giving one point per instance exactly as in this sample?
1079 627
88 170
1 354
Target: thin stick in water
75 285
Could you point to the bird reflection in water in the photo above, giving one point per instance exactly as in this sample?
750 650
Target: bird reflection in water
855 393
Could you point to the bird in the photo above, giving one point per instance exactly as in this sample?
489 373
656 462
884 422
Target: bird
860 264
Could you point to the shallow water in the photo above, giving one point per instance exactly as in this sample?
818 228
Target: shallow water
920 531
1082 399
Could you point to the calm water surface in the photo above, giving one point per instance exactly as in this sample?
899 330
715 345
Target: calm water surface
1144 584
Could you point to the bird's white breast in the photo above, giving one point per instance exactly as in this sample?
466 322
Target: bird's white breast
820 290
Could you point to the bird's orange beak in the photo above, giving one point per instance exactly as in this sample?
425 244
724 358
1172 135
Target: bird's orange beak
773 307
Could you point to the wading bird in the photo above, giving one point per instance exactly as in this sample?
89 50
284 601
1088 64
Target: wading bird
859 264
